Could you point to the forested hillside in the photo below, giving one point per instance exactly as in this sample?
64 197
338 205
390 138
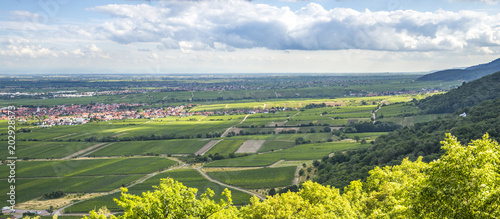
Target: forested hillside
467 74
423 139
469 94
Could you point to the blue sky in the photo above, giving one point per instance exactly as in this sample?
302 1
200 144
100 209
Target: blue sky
238 36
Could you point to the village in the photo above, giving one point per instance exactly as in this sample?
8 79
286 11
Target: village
80 114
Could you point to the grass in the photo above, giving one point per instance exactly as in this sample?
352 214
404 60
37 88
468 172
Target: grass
397 110
88 167
46 150
275 145
412 120
257 178
225 147
300 152
27 189
189 177
176 146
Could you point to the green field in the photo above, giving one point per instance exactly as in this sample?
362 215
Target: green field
46 150
394 110
175 146
300 152
257 178
225 147
88 167
188 177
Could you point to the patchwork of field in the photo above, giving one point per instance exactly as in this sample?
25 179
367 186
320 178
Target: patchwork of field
266 147
250 146
300 152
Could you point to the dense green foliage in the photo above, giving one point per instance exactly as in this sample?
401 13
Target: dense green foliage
422 139
469 94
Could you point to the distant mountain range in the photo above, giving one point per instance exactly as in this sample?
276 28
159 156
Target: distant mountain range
467 74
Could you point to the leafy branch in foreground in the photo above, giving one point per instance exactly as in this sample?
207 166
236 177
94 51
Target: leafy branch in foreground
463 183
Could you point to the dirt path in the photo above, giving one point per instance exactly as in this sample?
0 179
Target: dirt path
263 108
99 148
228 186
63 136
207 147
375 112
277 162
82 151
140 180
296 177
229 129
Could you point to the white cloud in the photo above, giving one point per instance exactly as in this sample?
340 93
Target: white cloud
24 49
217 24
90 51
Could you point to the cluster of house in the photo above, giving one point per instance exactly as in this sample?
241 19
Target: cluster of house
80 114
387 93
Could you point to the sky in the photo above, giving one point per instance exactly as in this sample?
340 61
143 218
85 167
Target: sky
243 36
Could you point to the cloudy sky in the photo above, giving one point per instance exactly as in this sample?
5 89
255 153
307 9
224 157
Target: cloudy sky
238 36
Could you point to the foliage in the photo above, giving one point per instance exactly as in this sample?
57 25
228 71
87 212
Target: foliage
374 127
423 139
53 195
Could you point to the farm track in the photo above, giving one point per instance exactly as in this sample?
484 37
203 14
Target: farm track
374 113
99 148
229 129
228 186
207 147
82 151
63 136
296 177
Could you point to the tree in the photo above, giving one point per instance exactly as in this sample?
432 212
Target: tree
464 182
171 199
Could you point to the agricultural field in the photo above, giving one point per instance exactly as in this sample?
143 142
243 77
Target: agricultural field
284 128
257 178
412 120
300 152
188 177
130 148
394 110
225 147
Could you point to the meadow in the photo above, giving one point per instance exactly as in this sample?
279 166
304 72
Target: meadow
257 178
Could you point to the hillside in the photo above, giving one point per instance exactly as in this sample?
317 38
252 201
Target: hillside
469 94
467 74
423 139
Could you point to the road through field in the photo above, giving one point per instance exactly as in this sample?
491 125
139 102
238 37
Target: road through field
374 114
83 151
207 147
228 186
228 129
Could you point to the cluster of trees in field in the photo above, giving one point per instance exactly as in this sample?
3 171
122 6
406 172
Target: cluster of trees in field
469 94
422 139
463 183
